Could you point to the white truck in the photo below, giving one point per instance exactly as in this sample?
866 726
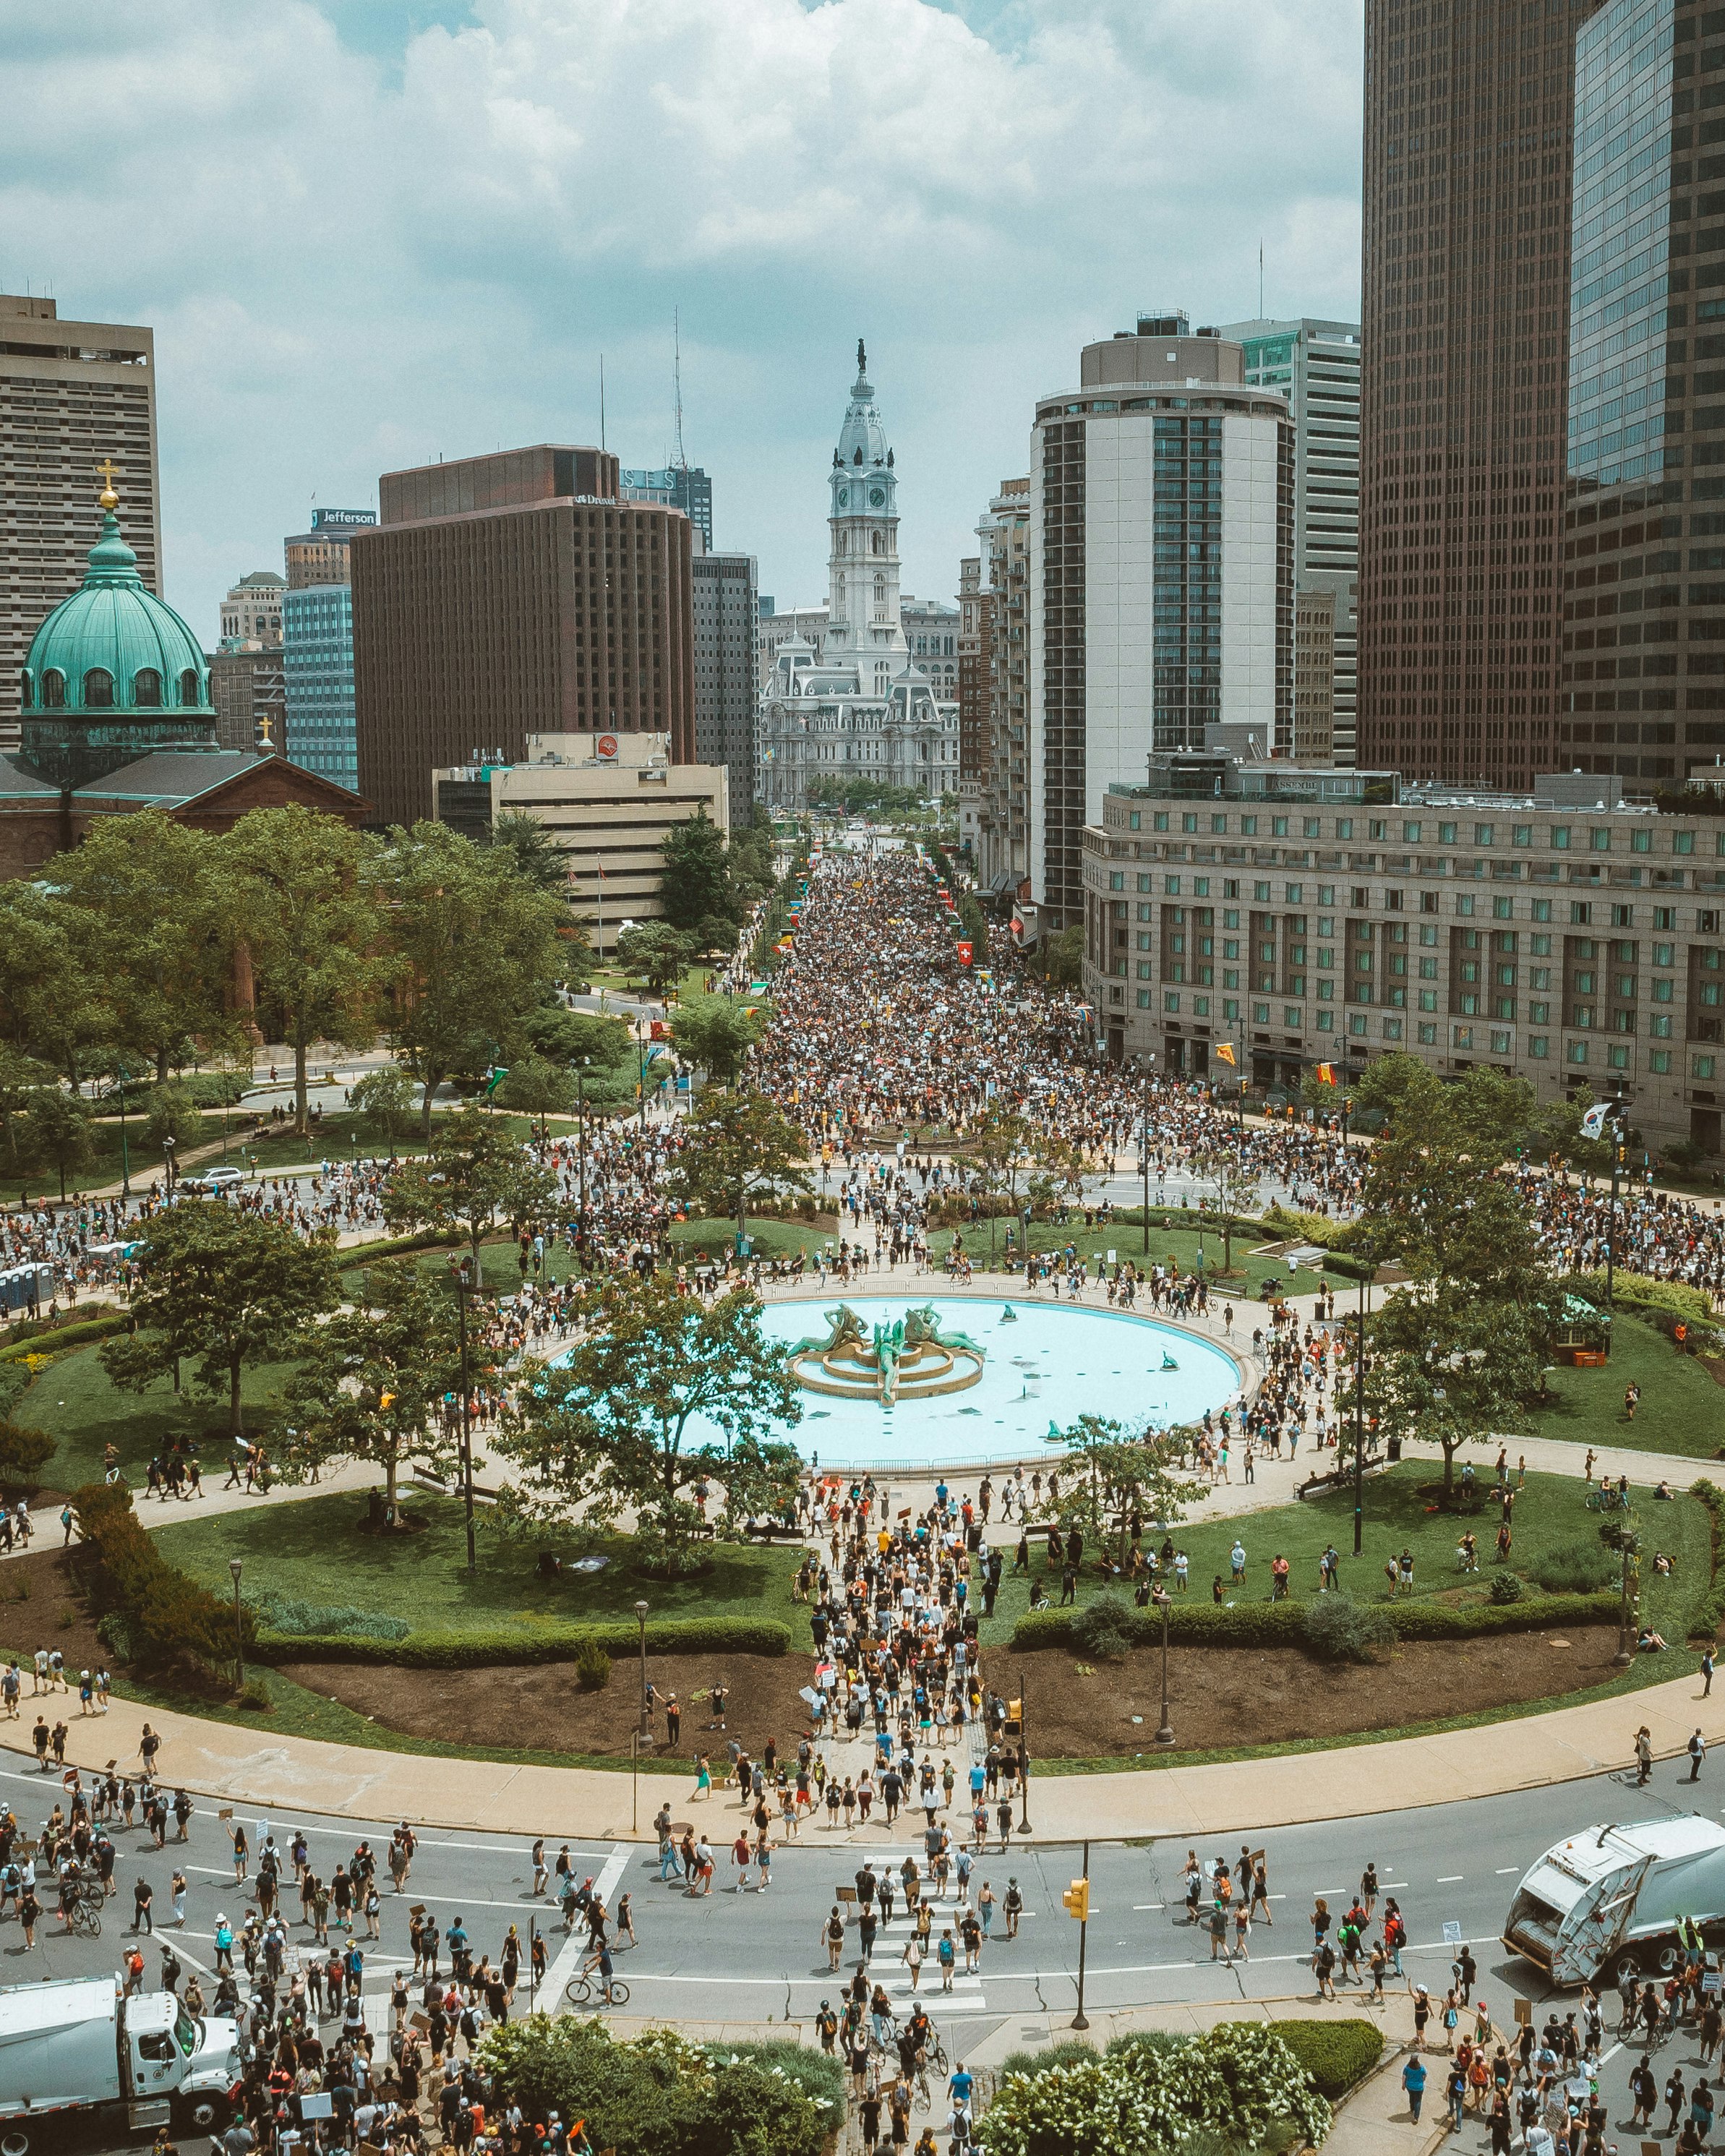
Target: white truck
1608 1901
73 2045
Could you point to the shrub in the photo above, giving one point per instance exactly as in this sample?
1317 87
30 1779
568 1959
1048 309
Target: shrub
1283 1623
1159 2042
593 1667
23 1453
1705 1623
538 1642
1338 1629
1506 1587
50 1339
1105 1627
170 1619
282 1613
820 2078
1071 2052
1335 2054
255 1697
1579 1567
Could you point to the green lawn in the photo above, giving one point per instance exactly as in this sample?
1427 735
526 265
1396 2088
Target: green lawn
1682 1408
312 1551
1552 1509
76 1404
1179 1244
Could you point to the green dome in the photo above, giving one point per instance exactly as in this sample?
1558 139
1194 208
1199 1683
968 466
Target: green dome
114 646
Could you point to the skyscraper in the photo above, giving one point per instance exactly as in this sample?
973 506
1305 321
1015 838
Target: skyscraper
73 395
686 487
508 595
1161 519
725 597
1465 314
317 659
1316 365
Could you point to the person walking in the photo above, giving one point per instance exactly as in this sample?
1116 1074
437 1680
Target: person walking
1643 1757
1706 1672
1413 2081
1698 1752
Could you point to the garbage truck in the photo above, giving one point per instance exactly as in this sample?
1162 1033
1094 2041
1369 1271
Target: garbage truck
74 2046
1609 1901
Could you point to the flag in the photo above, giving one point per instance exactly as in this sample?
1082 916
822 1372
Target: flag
1224 1052
1326 1074
1593 1123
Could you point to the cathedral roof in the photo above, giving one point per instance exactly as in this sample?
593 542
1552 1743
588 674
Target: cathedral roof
863 437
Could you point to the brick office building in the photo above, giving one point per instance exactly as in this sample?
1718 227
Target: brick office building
511 595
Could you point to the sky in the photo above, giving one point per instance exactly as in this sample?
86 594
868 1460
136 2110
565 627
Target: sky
368 233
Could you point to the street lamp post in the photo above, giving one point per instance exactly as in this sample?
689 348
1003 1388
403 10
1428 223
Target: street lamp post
167 1155
464 1286
1625 1655
581 1151
1359 1415
234 1566
1165 1734
125 1149
1024 1773
641 1620
1617 1136
1144 1143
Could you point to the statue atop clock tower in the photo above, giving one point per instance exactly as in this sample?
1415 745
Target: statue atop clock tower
862 627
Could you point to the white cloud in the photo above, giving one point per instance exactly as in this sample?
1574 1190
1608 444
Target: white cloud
352 265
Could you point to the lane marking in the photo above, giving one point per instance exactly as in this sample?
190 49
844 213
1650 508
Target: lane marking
570 1953
1455 1879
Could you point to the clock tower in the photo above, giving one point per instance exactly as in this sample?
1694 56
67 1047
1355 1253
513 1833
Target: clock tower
862 627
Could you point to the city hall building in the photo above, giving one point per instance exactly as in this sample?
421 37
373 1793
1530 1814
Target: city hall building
1566 935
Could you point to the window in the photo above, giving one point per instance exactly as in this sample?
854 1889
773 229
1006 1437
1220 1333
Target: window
1682 842
1446 835
1145 883
1159 820
1135 820
1143 999
53 690
1291 1019
1538 1046
188 686
1502 909
1344 827
1483 834
98 689
1464 902
1249 827
1189 823
1560 838
1116 879
1522 835
1279 827
1659 1062
1218 825
1171 885
1293 891
1581 913
1171 1002
1665 919
1578 1051
1326 1019
1461 1036
1600 837
1701 1066
1641 841
147 688
1410 835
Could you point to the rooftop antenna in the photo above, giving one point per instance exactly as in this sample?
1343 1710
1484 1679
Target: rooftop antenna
1260 279
602 403
680 460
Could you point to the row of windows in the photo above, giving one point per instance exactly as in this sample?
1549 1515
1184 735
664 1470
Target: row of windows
1582 910
1560 838
98 690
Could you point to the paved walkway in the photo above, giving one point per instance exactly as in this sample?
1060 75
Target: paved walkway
276 1775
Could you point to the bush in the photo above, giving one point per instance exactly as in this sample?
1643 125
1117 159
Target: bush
1506 1587
255 1697
51 1339
282 1613
1580 1567
1335 2054
1072 2052
1338 1629
1283 1623
171 1620
820 2078
23 1453
593 1667
543 1642
1105 1627
1705 1624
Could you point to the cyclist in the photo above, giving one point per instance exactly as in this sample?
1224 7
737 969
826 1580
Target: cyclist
600 1959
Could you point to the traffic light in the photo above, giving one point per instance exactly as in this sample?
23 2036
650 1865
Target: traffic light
1076 1900
1014 1723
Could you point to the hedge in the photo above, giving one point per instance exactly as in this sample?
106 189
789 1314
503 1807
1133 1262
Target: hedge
1706 1622
52 1341
1283 1623
479 1649
360 1254
1336 2055
168 1617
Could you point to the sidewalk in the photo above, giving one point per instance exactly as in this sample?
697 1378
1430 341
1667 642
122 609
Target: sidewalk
277 1776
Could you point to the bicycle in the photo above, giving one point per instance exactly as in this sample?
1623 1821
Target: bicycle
84 1917
582 1990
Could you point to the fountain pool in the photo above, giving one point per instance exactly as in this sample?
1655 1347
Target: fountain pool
1047 1363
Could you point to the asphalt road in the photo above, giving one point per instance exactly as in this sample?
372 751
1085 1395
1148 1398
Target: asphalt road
730 1956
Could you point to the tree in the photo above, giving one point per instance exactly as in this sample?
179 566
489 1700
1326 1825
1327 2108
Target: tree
536 1087
306 905
538 859
656 956
373 1380
697 885
1456 1349
174 1114
1059 957
224 1288
716 1033
739 1148
24 1452
156 930
1005 1145
384 1100
22 1078
60 1132
609 1427
48 1000
599 1052
1557 1131
1231 1186
750 852
1119 1474
475 1174
479 945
